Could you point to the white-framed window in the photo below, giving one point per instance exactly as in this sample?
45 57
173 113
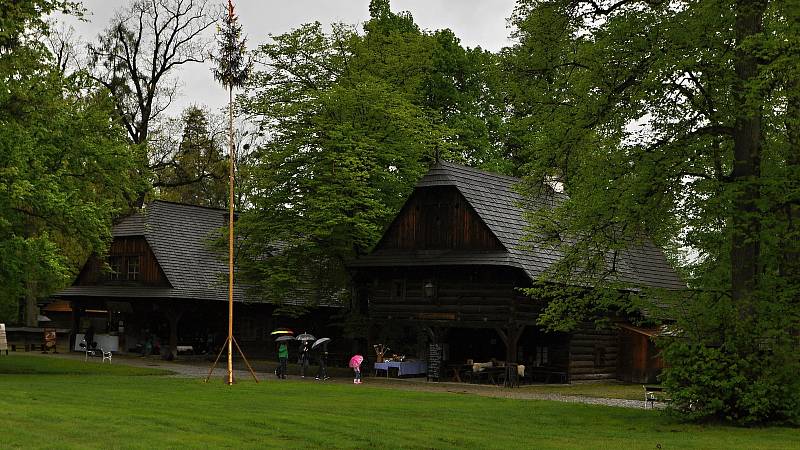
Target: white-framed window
133 268
115 265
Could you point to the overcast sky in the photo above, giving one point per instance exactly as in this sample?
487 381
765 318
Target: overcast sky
476 22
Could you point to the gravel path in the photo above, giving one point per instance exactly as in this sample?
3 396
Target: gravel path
199 370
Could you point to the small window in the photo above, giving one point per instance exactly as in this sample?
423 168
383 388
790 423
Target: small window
115 265
133 268
541 358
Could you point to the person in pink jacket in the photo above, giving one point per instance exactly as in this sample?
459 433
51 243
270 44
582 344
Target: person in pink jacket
355 363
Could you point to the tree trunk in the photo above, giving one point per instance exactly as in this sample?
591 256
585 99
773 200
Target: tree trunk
745 218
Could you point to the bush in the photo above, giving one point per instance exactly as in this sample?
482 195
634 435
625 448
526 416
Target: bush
746 388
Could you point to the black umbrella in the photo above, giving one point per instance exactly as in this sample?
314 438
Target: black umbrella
284 338
319 342
306 337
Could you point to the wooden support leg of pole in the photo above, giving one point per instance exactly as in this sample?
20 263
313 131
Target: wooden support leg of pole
213 366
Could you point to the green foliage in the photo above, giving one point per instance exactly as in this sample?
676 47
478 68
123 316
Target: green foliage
711 383
353 121
65 171
233 67
22 18
674 121
196 174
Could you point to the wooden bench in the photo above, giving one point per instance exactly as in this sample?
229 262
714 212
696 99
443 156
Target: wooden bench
545 374
650 395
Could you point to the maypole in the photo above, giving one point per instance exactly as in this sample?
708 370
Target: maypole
231 71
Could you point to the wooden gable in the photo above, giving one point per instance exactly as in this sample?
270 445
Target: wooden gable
438 218
125 251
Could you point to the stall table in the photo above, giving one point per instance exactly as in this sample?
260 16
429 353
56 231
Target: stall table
403 367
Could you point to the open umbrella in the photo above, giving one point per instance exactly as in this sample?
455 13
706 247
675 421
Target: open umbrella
306 337
356 361
284 338
282 331
319 342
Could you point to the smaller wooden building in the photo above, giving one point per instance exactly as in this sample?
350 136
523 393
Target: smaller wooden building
639 359
454 260
163 285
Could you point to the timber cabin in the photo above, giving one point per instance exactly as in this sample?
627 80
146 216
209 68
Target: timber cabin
164 282
451 263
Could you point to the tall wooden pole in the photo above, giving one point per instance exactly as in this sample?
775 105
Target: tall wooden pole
230 237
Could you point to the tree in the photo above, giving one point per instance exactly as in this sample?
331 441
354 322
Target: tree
136 57
198 157
65 170
351 121
673 120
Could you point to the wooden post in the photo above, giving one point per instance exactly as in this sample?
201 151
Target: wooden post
511 338
174 314
230 232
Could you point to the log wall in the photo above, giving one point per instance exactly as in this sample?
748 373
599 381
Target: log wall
482 297
593 355
437 218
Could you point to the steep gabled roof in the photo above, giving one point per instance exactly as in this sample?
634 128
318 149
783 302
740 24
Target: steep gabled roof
499 206
178 234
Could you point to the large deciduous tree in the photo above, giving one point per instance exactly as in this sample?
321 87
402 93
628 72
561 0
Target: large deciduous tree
65 169
136 59
676 120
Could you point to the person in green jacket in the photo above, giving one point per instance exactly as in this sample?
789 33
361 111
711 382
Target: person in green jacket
283 356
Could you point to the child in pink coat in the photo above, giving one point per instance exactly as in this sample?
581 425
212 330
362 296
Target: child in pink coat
355 363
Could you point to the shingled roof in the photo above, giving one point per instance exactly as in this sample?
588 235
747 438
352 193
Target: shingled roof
499 206
178 234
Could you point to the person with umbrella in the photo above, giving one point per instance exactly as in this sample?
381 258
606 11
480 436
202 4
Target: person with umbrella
304 357
322 344
355 363
283 352
283 357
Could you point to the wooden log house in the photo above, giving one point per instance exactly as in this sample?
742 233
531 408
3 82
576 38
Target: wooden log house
452 263
162 281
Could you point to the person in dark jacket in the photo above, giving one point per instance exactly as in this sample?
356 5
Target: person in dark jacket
322 373
89 338
304 358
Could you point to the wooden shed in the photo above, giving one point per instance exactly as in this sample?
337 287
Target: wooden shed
452 263
639 360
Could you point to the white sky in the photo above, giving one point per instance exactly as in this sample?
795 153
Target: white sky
476 22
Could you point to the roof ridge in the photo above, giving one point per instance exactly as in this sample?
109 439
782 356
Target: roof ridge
477 170
187 204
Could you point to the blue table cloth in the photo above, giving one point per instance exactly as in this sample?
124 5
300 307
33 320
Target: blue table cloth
411 367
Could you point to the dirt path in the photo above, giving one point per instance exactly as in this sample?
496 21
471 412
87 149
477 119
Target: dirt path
199 370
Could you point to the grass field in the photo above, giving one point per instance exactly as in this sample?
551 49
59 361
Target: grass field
56 405
604 389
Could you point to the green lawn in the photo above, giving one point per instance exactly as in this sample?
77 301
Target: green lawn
605 389
119 410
